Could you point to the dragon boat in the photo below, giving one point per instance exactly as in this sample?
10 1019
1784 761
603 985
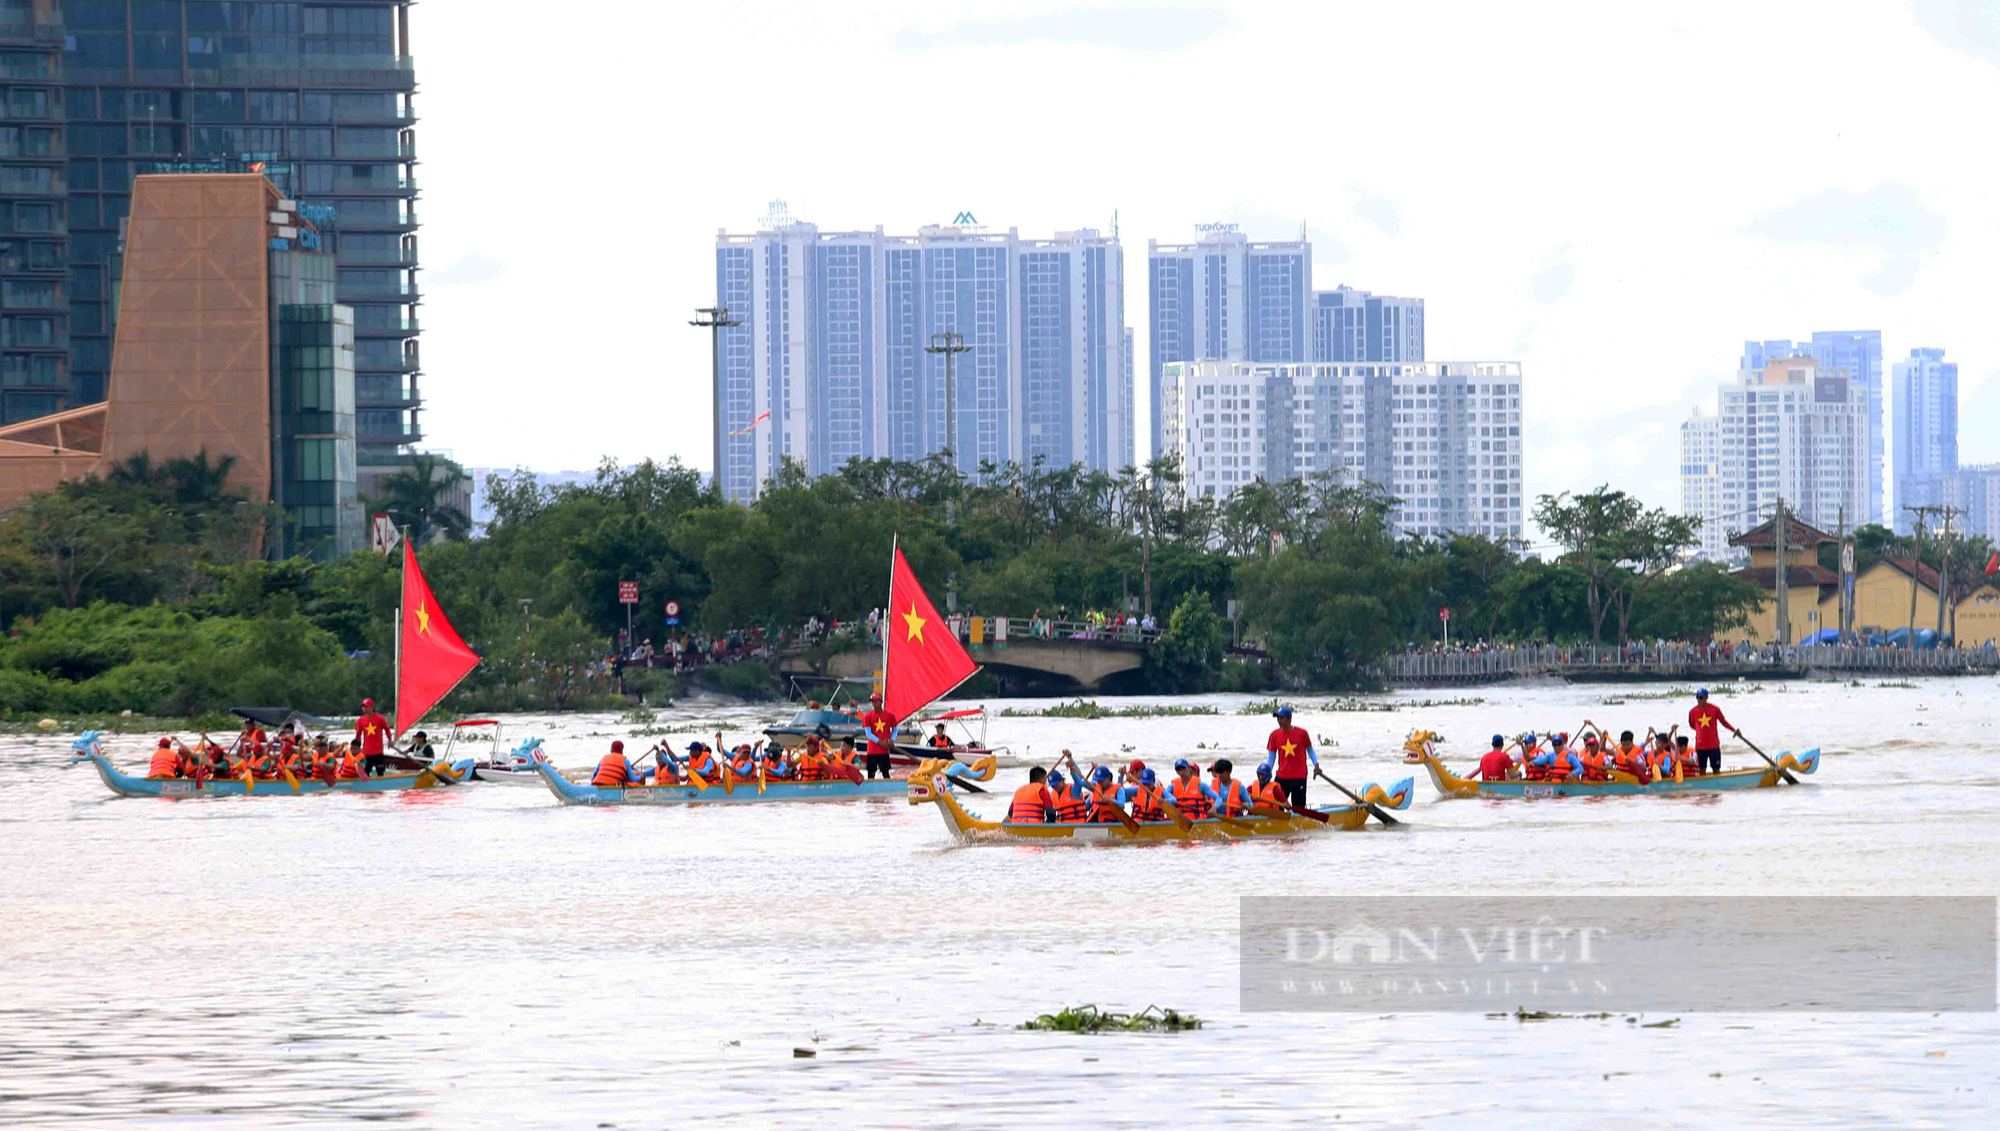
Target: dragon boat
87 749
1419 749
926 789
733 790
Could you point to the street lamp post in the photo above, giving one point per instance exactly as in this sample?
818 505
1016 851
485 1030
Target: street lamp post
716 319
949 343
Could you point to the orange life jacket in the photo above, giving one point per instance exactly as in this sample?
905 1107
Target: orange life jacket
1029 805
1630 759
1596 767
1146 803
166 763
1558 767
812 766
1235 798
350 766
1071 808
610 771
1189 798
744 765
701 764
1267 793
1104 801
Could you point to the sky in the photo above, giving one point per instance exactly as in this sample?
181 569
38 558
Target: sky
1615 196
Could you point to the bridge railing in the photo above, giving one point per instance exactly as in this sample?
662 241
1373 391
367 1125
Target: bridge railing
1016 630
1502 663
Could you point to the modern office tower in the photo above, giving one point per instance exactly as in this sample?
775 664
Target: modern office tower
840 353
1351 325
1856 355
1226 298
1926 419
1701 482
316 96
230 343
1975 490
1789 430
1443 437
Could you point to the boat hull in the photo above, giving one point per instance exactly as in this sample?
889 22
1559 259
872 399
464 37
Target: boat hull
1761 777
581 793
127 785
925 789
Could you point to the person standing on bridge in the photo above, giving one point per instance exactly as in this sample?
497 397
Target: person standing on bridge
1290 754
1705 718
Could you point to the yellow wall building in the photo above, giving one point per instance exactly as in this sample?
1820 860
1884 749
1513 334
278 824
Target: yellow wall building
1882 594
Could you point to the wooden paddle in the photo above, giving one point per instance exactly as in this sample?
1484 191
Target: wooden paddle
1786 774
1368 805
1264 810
1173 813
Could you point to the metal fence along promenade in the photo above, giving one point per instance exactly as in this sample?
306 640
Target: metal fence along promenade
1642 662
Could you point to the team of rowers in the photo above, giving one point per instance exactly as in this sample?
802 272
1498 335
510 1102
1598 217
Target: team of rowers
819 758
1595 757
255 756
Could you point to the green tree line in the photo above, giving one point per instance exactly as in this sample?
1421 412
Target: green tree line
144 589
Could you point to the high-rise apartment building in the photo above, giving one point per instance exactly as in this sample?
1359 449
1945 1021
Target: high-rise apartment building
1789 430
1926 418
1701 482
1351 325
314 95
1857 356
1975 490
1443 437
836 346
1226 297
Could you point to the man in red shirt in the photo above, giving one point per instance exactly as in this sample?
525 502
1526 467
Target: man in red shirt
880 728
1704 718
1495 764
371 730
1290 751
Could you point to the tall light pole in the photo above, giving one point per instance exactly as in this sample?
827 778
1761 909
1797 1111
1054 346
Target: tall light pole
716 319
949 343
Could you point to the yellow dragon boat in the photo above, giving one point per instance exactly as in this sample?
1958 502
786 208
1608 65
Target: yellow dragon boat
1419 749
925 789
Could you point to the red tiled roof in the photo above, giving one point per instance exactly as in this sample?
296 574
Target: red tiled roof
1796 576
1800 535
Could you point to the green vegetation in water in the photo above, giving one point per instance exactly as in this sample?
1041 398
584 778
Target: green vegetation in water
1091 709
1090 1019
1348 705
212 724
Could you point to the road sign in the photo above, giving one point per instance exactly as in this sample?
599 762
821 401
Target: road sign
1444 614
673 608
672 621
628 592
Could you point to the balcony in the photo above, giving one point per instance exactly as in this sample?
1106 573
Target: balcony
368 257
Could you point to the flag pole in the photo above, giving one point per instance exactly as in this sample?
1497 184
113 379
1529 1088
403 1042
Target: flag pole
396 671
888 610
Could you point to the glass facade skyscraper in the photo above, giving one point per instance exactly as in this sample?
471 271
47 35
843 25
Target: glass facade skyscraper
834 339
1857 356
1926 388
1226 298
315 94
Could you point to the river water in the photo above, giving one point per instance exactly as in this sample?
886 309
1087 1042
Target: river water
483 956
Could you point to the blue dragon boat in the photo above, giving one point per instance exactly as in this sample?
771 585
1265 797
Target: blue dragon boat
87 749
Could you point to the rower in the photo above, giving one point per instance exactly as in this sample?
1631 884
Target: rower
812 761
615 772
744 764
1071 804
1032 801
1595 765
371 730
1558 762
1103 794
350 764
1534 767
1660 759
666 768
1288 751
1232 797
1266 791
1628 757
775 763
879 727
1496 764
1145 797
1690 760
940 740
1189 794
253 739
167 762
700 760
1705 718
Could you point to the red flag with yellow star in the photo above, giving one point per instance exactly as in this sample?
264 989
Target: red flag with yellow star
921 659
430 657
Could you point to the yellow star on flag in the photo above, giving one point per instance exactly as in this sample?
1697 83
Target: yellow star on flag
423 620
915 623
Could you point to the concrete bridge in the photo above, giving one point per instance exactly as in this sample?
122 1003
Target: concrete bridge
1052 657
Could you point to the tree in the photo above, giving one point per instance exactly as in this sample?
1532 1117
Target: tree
1615 542
1188 655
78 540
415 498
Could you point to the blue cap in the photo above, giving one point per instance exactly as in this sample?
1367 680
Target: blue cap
1180 763
1103 774
1055 780
1701 693
1264 772
1529 738
1499 740
1147 777
1283 712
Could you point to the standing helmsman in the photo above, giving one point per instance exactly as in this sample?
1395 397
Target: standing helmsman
1707 721
879 727
371 731
1291 757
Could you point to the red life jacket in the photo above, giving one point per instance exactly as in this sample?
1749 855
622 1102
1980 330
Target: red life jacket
1030 805
610 771
1235 798
1189 798
941 741
1069 806
1146 803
